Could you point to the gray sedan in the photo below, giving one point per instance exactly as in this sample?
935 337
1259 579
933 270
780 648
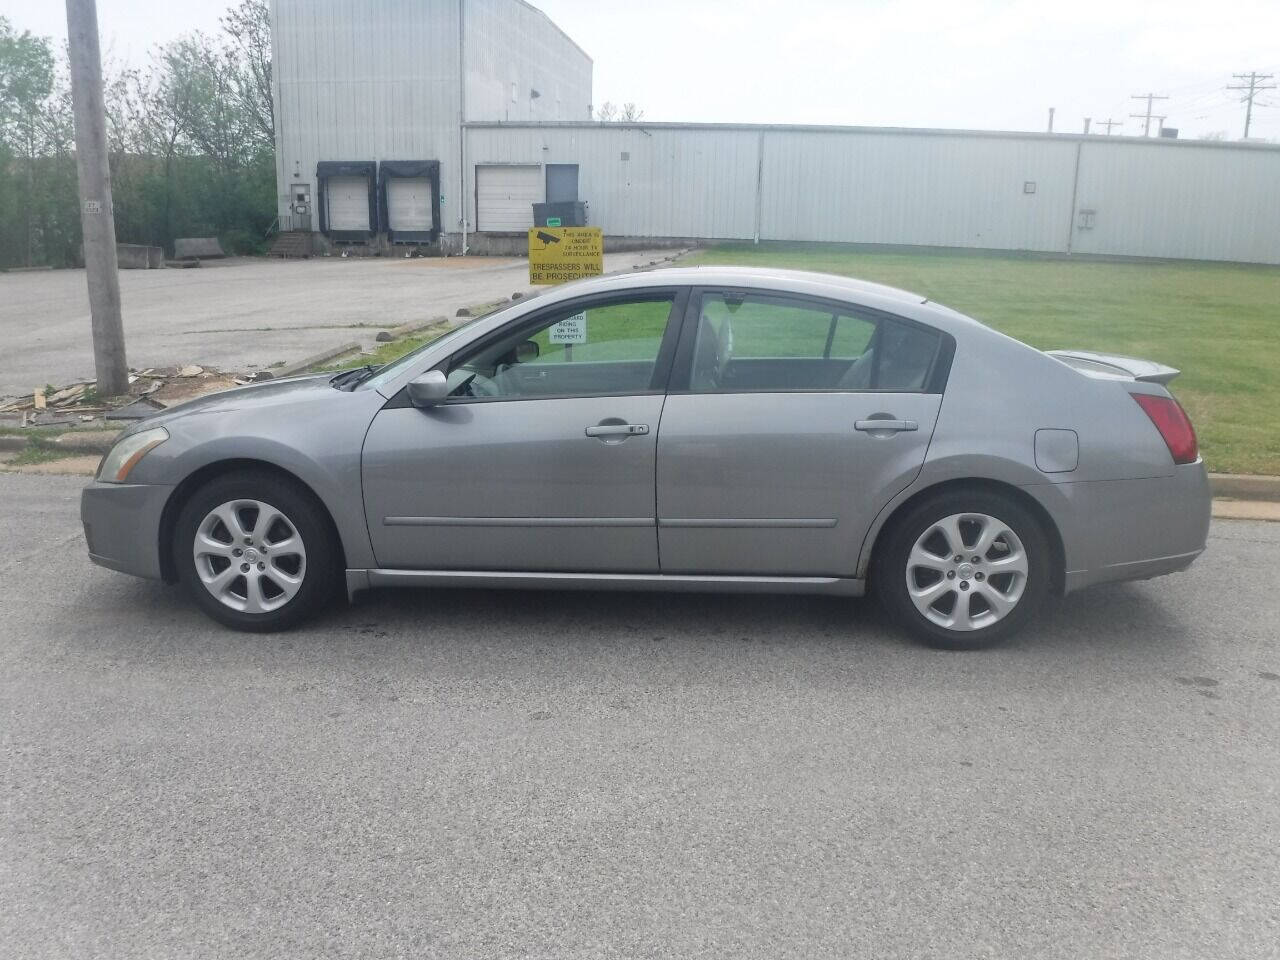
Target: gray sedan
687 429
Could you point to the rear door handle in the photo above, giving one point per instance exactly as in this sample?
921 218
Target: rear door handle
618 430
885 426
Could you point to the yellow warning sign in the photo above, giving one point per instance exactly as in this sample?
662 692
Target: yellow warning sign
561 254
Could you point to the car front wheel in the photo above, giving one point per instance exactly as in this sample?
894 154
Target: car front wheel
255 552
965 570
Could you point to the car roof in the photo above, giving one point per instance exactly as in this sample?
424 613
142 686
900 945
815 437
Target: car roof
764 277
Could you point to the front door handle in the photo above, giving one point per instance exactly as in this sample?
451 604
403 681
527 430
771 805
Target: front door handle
618 430
885 426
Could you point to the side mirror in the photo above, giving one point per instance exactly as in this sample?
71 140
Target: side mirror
527 351
428 390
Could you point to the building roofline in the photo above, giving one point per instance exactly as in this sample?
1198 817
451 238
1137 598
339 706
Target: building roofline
834 128
555 26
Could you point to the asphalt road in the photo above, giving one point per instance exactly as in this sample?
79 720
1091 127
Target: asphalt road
240 315
467 774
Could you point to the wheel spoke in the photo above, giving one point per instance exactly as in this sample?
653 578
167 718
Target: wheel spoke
229 514
950 528
920 557
1015 562
288 547
267 516
997 601
926 597
991 530
217 583
207 546
254 601
286 581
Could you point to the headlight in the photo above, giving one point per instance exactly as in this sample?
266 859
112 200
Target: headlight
124 456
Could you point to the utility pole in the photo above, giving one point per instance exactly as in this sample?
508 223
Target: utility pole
1146 118
1251 88
1087 121
1051 110
97 218
1109 123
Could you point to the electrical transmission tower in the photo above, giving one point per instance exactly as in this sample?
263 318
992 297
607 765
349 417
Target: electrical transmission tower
1252 86
1147 117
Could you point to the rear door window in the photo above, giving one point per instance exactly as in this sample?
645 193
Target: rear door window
759 343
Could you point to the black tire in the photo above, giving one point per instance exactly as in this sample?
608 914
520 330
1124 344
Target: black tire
890 570
322 572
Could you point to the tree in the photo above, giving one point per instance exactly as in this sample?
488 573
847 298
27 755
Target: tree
248 28
191 142
26 84
609 113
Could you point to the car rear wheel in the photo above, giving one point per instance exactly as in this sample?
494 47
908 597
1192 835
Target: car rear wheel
965 570
255 552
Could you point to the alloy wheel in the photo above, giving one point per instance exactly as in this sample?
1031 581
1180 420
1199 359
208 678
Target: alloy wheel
250 556
967 571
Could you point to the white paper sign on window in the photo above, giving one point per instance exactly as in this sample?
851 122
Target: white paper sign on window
569 330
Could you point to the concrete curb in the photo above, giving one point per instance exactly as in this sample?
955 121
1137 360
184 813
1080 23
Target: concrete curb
96 441
302 366
415 326
1240 486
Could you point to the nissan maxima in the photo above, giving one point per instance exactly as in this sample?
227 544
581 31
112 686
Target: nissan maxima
697 429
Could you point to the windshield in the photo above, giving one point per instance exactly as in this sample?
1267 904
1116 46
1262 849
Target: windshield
389 371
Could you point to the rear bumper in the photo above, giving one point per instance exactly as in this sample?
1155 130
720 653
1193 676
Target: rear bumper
1129 529
122 526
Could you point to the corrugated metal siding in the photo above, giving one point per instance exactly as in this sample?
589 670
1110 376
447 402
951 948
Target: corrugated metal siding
948 189
912 189
509 42
1201 203
671 185
377 81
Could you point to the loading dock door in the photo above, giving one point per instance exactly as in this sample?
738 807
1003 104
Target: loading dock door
409 204
347 202
505 195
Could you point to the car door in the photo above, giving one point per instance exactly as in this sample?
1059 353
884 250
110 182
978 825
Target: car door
542 457
790 422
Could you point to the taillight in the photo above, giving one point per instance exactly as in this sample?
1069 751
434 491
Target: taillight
1174 425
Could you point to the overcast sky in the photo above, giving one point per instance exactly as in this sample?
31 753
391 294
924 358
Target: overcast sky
986 64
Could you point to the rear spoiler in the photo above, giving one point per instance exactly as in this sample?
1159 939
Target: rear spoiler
1110 366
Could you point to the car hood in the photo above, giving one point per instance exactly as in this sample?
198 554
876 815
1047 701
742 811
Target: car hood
266 394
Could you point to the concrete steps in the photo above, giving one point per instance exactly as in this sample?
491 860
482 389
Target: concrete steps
292 244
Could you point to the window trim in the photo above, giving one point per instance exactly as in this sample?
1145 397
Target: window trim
662 364
682 371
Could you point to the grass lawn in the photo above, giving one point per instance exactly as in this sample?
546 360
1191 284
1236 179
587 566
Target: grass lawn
1218 324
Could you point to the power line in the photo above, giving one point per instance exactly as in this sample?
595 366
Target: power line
1251 89
1109 123
1147 117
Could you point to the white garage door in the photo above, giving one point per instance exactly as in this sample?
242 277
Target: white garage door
505 196
409 204
347 203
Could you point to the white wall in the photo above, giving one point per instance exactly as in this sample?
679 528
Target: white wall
905 188
380 80
672 185
375 81
1192 201
510 44
930 188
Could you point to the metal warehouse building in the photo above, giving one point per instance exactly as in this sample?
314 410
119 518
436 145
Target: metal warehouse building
444 121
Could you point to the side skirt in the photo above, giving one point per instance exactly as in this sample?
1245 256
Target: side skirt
358 580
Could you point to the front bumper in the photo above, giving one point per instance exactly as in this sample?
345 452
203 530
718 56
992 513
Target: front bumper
122 526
